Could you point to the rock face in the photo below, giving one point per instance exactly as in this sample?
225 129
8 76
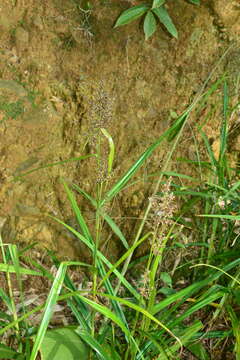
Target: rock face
229 14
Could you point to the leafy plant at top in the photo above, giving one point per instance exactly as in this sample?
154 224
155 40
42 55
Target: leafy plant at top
151 14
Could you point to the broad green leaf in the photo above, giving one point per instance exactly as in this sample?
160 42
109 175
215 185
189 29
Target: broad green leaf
166 278
131 14
149 25
165 19
167 291
157 3
64 344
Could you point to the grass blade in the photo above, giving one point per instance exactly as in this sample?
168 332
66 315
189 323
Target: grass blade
191 289
16 178
102 258
78 213
173 130
49 306
143 312
93 343
115 229
124 257
21 270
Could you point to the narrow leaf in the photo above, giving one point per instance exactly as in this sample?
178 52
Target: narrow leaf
78 213
115 229
100 257
157 3
149 25
107 313
7 353
174 129
131 14
53 164
49 306
93 343
21 270
165 19
193 288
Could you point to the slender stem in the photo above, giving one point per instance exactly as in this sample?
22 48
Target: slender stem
98 232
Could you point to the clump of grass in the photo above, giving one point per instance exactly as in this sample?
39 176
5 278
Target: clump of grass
164 313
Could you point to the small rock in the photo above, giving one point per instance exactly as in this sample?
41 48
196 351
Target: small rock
37 21
25 210
21 39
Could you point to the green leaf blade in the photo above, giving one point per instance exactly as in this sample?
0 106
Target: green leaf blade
166 20
149 25
157 3
63 343
93 343
131 14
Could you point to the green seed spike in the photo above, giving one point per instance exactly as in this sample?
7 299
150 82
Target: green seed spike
111 149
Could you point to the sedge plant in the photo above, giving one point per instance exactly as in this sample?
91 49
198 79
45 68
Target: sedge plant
154 318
